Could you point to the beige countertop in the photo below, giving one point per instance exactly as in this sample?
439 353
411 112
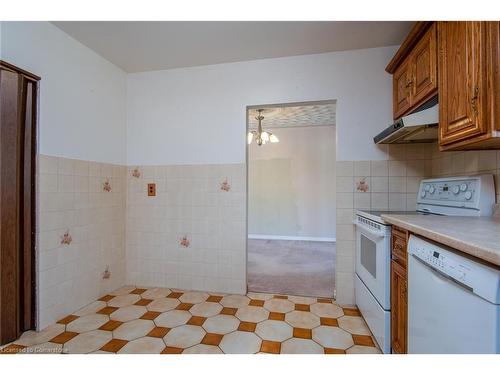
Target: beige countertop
476 236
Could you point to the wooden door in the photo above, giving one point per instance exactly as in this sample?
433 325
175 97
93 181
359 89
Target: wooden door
402 83
462 84
9 205
18 93
399 307
424 66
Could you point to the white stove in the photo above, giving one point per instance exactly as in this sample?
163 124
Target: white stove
451 196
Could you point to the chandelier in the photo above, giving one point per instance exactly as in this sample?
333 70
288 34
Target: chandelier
261 137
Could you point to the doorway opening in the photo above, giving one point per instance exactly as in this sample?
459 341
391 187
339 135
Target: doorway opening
291 198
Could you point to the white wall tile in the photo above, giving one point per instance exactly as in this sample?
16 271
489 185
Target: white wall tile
70 276
362 168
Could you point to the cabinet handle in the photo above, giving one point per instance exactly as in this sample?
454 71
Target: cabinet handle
409 83
473 100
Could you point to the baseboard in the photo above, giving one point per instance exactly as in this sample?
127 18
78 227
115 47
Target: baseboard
290 238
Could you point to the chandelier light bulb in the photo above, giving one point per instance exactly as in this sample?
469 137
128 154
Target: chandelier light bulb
249 137
273 139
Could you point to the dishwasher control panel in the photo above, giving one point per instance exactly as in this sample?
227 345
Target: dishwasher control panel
476 277
441 261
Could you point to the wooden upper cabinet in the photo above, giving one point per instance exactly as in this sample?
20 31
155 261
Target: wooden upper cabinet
424 65
468 85
401 90
462 85
414 69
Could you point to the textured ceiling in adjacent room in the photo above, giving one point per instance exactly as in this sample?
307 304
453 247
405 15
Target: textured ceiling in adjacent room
294 116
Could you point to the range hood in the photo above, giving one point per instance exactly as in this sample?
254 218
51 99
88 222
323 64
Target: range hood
420 126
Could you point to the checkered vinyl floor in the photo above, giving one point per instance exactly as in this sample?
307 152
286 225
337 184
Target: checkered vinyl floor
160 320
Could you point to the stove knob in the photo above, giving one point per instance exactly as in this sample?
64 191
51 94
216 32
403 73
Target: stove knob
432 190
456 189
423 193
463 187
427 187
468 195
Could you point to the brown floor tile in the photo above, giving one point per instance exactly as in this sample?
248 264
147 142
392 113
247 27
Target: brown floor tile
228 311
175 295
110 326
329 322
184 306
276 316
12 349
64 337
159 332
302 333
302 307
107 310
68 319
143 302
280 297
256 302
196 320
138 291
212 339
324 300
214 299
172 350
334 351
150 315
247 326
106 298
351 312
273 347
363 340
114 345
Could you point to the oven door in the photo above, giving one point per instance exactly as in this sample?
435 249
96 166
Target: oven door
373 261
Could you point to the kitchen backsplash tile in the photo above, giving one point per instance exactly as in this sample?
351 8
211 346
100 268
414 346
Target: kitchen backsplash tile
462 163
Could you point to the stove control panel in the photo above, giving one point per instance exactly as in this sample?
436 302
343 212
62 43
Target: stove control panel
464 195
458 191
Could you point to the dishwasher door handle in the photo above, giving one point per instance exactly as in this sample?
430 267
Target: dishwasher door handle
443 275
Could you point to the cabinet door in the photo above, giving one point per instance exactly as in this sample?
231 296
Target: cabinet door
399 308
462 87
401 82
424 65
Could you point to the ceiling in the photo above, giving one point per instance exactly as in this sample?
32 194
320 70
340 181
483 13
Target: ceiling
145 46
294 116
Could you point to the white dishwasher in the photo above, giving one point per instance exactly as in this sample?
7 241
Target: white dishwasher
453 301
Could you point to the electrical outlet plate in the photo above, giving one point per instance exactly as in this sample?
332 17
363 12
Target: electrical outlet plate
151 190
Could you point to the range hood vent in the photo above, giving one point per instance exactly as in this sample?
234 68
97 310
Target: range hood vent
420 126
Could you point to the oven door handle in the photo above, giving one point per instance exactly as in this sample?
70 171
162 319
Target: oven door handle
369 231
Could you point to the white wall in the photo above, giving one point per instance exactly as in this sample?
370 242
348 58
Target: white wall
82 95
291 184
197 115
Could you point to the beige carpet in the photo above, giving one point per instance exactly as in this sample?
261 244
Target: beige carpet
291 267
